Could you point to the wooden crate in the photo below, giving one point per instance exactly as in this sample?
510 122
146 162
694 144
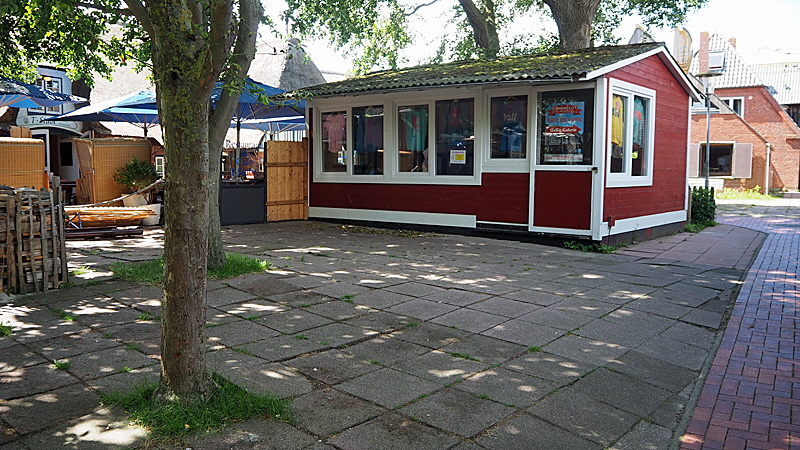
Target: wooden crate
99 159
22 163
32 248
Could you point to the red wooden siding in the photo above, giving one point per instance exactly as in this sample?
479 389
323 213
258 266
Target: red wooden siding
562 199
668 191
502 197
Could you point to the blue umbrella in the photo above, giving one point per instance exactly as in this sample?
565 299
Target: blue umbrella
276 124
254 103
23 95
138 109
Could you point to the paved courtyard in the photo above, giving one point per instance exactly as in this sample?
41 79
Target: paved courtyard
401 340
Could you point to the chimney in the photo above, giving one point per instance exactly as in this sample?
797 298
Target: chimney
702 54
732 41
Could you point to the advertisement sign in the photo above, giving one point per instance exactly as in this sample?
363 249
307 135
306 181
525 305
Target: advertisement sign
458 156
564 118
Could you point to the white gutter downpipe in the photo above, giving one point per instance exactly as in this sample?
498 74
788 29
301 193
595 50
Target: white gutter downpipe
767 177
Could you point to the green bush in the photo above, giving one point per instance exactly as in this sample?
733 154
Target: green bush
704 208
136 175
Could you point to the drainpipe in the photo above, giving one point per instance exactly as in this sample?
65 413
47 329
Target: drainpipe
767 178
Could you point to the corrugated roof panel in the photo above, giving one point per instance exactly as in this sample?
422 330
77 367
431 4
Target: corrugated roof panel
784 77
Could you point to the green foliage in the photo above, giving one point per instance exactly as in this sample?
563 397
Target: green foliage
592 247
464 356
703 205
152 272
61 364
698 227
6 330
747 194
135 175
165 419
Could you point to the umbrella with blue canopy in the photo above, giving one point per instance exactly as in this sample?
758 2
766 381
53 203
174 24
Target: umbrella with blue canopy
138 108
276 124
23 95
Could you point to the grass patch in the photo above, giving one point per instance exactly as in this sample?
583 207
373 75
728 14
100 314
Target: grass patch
5 330
696 227
62 364
82 270
146 317
228 404
65 316
747 194
152 272
464 356
533 349
301 337
243 351
592 247
126 369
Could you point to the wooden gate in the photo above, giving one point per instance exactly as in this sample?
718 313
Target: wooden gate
286 168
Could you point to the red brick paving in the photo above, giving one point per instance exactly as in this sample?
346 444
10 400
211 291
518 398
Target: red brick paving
751 397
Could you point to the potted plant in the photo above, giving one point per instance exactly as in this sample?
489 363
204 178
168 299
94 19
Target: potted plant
134 176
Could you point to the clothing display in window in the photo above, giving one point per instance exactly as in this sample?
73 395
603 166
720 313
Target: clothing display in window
334 124
509 119
416 121
639 122
618 120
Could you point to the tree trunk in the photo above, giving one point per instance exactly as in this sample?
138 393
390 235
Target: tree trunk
484 26
181 68
250 13
574 19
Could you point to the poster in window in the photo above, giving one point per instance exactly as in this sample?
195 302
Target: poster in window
563 131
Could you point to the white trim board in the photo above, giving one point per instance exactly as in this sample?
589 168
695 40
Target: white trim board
643 222
372 215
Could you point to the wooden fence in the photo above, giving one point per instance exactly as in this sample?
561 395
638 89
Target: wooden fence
286 176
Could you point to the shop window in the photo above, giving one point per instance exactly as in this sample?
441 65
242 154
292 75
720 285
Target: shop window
368 140
565 121
631 113
509 117
334 141
455 137
412 133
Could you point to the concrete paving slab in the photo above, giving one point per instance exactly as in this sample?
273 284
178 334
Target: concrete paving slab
584 417
615 333
101 429
551 367
621 391
430 335
654 371
338 334
386 350
299 299
702 318
293 321
457 297
440 367
253 308
253 434
380 321
690 334
458 412
512 435
87 366
332 366
589 307
18 356
227 295
381 299
554 317
389 387
485 348
422 309
416 289
261 284
340 289
525 333
645 436
675 352
659 307
237 333
535 297
393 432
25 381
510 388
328 412
502 306
339 309
590 351
125 379
470 320
44 410
284 347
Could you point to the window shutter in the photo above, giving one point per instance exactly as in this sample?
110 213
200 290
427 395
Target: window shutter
743 160
694 160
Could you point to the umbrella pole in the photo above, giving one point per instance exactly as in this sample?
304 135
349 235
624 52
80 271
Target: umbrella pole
236 156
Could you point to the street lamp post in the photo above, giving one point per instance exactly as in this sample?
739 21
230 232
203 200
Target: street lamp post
706 77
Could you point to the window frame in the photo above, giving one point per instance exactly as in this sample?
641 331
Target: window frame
730 101
391 102
630 91
507 165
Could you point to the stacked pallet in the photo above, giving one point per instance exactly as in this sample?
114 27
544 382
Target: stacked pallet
32 249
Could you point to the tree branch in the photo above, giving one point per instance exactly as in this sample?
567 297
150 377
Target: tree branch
137 8
418 7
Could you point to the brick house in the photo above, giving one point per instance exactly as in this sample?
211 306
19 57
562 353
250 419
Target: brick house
754 142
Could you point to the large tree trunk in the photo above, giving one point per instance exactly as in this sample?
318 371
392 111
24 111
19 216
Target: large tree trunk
574 20
182 70
484 26
250 13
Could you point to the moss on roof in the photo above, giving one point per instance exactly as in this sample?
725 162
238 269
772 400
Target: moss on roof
542 66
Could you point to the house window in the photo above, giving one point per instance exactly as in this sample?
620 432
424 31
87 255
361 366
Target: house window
509 120
159 163
565 124
631 127
412 133
368 140
720 160
53 84
455 137
736 104
334 141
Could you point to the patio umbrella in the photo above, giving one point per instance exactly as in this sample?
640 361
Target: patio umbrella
23 95
254 104
138 109
275 125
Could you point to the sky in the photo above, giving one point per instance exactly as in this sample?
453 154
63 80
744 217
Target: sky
765 30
